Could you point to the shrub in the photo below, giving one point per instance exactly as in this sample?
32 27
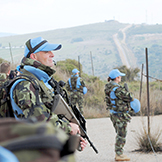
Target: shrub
149 143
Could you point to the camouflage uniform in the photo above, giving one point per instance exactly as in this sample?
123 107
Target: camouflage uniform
33 141
3 78
24 96
76 94
119 113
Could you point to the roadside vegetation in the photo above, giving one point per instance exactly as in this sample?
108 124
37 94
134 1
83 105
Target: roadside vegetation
95 107
149 143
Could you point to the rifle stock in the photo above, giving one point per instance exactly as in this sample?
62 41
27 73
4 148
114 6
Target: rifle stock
62 109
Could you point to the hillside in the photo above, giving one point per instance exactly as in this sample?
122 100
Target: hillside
111 44
144 36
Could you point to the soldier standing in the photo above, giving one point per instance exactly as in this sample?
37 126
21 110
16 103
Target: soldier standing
118 101
76 86
37 63
4 72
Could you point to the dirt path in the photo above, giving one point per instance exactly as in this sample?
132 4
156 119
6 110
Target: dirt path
121 51
126 55
102 134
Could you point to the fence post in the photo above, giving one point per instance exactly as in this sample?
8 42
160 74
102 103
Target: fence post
92 63
79 65
11 54
141 84
148 103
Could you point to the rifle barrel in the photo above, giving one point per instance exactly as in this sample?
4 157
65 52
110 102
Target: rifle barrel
86 136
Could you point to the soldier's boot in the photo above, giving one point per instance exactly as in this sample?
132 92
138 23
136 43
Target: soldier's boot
121 158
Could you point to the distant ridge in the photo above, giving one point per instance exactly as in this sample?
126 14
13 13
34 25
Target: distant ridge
98 40
6 34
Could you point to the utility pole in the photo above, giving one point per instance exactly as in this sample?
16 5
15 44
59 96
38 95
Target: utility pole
11 54
92 63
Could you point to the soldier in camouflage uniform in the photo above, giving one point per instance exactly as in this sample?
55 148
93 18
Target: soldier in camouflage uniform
4 72
75 87
118 102
37 64
32 141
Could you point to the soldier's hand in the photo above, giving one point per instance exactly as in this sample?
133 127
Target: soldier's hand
83 143
74 129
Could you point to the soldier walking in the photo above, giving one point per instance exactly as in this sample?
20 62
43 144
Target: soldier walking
76 86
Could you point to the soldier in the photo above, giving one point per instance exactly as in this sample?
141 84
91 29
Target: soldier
76 86
32 141
118 101
4 72
37 63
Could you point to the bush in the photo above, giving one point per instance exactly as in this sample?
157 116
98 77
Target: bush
94 104
2 60
68 65
149 143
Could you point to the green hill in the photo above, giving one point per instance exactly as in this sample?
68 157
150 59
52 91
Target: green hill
144 36
96 39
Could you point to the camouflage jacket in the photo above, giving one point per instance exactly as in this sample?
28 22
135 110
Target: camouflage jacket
123 98
32 141
3 78
24 96
74 87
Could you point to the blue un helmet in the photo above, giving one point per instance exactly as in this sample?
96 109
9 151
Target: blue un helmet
84 90
135 105
7 156
115 73
39 44
74 71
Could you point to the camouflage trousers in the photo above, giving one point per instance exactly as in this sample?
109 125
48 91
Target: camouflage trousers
77 98
121 131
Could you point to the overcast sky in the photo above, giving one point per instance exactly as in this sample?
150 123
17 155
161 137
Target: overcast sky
29 16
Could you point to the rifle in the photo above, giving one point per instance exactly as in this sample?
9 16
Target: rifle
126 87
61 108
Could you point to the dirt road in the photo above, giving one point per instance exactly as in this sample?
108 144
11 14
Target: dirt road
127 57
102 134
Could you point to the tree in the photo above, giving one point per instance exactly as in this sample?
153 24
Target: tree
131 74
68 65
2 60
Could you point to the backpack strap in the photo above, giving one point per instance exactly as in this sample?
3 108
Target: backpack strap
78 84
16 109
70 83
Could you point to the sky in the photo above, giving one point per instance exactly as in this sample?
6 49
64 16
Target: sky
30 16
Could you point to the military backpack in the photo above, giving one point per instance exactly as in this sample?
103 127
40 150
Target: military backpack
8 107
